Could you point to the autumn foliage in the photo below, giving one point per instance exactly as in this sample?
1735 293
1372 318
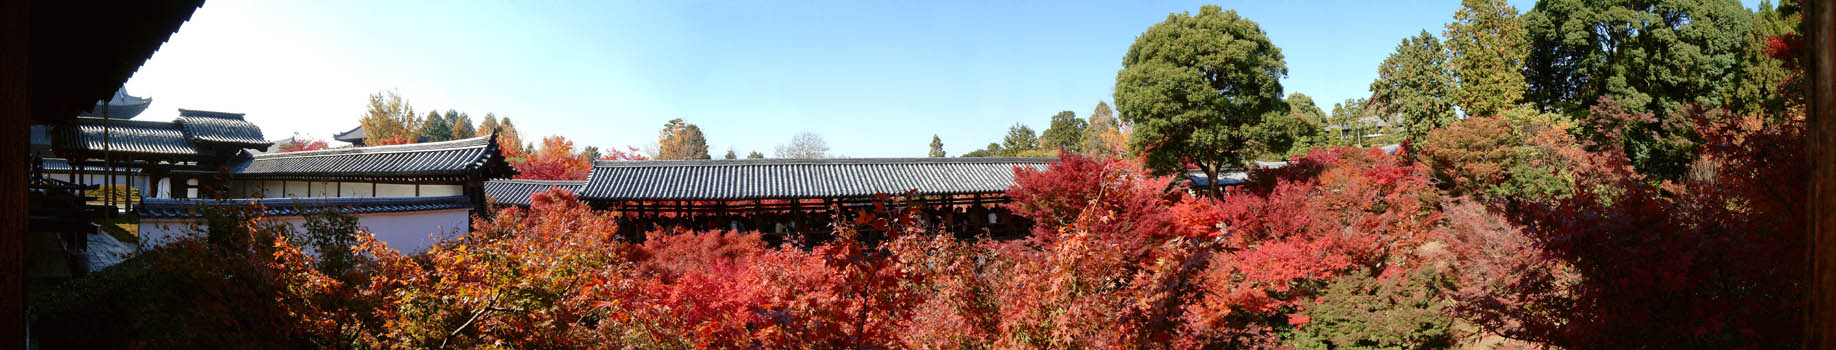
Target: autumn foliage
1343 247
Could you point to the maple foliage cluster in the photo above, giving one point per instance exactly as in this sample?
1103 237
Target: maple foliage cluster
555 159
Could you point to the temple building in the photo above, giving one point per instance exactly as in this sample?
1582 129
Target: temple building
408 195
800 198
166 171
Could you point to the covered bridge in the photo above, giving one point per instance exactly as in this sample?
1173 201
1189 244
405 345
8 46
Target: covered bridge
784 196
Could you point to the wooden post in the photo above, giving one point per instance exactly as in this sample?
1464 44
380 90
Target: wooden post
15 114
1820 135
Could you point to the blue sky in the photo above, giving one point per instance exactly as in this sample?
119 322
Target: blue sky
873 78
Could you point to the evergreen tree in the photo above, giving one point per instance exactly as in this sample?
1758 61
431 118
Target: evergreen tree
1201 90
1310 121
1761 87
1019 138
937 150
461 125
680 140
730 155
1648 57
1413 85
755 155
1487 47
1066 133
436 128
1104 136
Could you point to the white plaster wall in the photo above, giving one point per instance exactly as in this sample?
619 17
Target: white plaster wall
273 189
323 189
296 189
441 190
394 190
406 231
356 189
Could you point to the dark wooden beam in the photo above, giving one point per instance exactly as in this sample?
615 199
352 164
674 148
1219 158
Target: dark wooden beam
1820 135
15 115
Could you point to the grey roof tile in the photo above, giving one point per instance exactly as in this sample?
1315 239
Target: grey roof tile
741 179
517 192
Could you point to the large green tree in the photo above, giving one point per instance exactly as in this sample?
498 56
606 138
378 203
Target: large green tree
1761 86
1103 137
1655 57
680 140
436 128
389 119
1066 133
1486 48
1310 120
462 125
1020 138
1201 90
1413 86
937 150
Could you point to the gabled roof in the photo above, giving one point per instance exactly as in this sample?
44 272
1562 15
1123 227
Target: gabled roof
121 106
352 136
517 192
127 137
743 179
181 208
446 161
221 128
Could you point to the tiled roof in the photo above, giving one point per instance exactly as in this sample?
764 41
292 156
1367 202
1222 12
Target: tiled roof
517 192
127 136
741 179
445 160
167 208
352 136
121 106
228 129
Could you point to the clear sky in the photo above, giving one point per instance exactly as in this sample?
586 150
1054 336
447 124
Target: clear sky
873 78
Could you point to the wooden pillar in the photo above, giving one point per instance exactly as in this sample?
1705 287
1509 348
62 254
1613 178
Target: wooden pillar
15 115
1820 135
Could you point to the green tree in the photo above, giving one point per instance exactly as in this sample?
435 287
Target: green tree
1200 89
730 155
755 155
389 117
488 126
461 125
1653 57
937 150
1486 47
1019 138
1761 88
436 128
993 150
591 153
1414 84
1104 136
1066 133
680 140
1347 126
1310 120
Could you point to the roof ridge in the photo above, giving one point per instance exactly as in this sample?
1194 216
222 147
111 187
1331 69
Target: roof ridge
210 114
823 161
387 149
537 182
